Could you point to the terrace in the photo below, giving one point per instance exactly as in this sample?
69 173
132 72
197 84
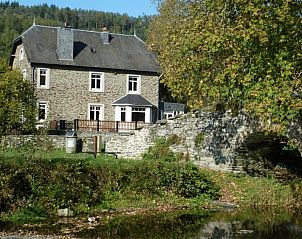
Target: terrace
97 125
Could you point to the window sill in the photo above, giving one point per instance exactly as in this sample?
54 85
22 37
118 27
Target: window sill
96 91
134 93
43 87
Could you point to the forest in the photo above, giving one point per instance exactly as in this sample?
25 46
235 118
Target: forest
16 18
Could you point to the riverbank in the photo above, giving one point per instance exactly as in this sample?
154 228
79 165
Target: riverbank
258 192
241 224
35 188
103 190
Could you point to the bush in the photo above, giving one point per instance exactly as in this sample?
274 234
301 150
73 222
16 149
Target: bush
39 187
184 180
161 149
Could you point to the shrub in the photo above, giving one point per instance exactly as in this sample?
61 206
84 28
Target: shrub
77 184
184 180
199 139
161 149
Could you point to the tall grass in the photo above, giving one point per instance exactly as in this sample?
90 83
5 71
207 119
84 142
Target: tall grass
247 191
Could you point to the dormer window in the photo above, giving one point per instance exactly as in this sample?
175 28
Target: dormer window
134 84
43 78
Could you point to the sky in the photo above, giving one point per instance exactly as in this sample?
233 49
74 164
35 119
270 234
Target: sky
133 8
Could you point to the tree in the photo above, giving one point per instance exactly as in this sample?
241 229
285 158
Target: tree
235 53
17 102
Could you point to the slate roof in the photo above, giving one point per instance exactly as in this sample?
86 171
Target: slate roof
171 106
124 52
133 100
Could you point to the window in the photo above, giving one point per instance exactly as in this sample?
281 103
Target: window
95 112
42 110
138 114
96 82
43 78
24 74
134 84
21 54
168 115
123 114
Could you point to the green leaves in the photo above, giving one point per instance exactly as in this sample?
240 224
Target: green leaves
233 52
17 102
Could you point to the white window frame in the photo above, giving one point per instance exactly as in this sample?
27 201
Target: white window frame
47 78
138 110
46 110
21 54
138 87
169 114
123 110
95 105
102 82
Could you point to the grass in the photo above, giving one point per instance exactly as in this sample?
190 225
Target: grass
29 214
56 180
55 156
247 191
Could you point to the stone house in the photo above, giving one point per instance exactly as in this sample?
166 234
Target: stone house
88 75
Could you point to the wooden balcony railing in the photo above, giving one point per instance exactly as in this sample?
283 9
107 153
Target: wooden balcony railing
96 125
107 126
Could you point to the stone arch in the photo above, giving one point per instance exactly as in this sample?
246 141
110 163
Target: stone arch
262 154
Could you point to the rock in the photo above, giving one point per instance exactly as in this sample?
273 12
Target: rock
65 212
91 219
224 205
245 231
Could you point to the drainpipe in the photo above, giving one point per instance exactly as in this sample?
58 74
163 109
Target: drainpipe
158 112
33 74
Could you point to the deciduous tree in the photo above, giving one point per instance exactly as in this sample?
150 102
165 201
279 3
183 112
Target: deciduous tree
236 53
17 102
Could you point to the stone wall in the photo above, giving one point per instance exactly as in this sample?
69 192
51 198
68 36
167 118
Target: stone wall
42 141
23 64
223 136
212 140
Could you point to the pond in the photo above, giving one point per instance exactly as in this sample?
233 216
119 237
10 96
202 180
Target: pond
241 224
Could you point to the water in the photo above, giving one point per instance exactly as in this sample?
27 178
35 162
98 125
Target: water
248 224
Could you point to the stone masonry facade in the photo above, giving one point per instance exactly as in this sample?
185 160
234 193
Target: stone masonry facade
68 95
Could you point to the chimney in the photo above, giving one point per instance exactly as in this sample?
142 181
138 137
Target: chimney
65 43
105 36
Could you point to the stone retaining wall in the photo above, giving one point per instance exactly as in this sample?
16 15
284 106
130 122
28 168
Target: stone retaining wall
223 136
50 141
212 140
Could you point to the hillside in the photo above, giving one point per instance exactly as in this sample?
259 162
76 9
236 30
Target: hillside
15 18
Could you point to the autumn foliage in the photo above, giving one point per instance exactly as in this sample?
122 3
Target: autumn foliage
236 54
